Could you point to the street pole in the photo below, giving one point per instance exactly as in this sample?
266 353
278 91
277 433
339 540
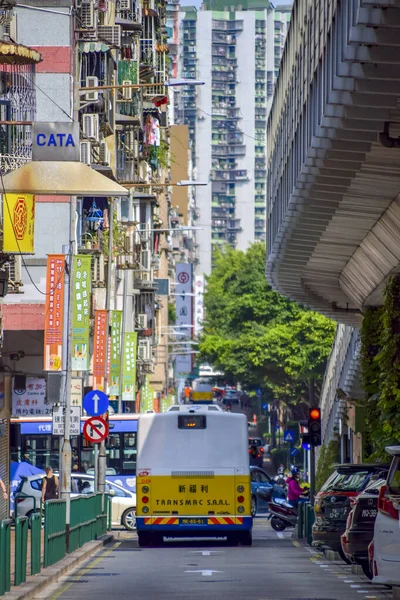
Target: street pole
312 449
101 475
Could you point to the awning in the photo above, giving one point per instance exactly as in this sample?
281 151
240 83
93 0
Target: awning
61 178
87 47
11 53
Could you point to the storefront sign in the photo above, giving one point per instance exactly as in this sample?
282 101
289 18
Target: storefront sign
129 366
99 349
81 313
147 394
18 222
55 141
76 392
115 360
54 312
28 397
198 304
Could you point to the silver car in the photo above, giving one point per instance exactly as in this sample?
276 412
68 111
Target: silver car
123 501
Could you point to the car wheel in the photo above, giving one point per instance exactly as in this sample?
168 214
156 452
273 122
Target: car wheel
343 557
366 570
129 519
253 506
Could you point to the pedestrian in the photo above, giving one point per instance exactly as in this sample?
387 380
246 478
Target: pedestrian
3 488
50 485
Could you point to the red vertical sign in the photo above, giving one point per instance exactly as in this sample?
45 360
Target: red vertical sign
99 349
54 313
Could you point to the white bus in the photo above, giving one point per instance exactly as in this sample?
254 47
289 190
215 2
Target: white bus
193 475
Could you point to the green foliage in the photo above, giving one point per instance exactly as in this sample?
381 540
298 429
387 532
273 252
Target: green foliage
257 336
329 455
380 366
171 313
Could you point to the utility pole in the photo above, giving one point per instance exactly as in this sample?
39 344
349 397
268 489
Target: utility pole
311 393
123 328
101 476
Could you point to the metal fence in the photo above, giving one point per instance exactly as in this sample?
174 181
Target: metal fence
90 518
305 521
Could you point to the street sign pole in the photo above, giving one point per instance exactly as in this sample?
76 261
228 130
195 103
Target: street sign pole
312 449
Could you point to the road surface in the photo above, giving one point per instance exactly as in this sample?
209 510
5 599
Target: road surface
274 568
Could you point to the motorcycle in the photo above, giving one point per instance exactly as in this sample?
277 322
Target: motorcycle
282 514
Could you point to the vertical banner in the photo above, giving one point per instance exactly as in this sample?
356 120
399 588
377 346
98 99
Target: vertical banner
198 303
184 314
54 312
81 313
147 394
99 349
129 366
115 359
18 223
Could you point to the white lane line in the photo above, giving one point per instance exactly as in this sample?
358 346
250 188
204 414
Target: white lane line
204 572
348 581
206 552
280 535
355 585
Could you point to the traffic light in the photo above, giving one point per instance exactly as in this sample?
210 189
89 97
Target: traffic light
314 426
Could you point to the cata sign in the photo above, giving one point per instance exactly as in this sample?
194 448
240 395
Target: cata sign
55 141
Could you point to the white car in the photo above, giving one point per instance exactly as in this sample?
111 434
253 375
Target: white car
123 501
386 546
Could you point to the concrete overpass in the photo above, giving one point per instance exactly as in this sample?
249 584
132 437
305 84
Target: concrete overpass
334 157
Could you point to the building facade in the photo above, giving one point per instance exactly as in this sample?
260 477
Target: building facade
236 52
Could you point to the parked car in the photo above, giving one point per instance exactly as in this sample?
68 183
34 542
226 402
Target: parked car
123 501
332 503
360 523
260 479
231 396
386 546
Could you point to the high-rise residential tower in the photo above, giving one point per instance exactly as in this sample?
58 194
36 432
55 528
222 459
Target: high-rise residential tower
235 49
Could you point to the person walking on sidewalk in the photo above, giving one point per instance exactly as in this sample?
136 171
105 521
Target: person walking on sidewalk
50 486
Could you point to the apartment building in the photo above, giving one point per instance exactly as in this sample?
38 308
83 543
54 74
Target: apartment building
235 49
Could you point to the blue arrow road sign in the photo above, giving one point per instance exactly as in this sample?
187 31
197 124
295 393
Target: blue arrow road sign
265 406
294 451
288 436
259 392
95 403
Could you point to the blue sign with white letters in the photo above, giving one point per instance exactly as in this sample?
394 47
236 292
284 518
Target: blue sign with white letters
55 141
95 403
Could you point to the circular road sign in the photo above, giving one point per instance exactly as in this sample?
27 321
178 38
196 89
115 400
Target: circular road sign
95 430
95 403
183 277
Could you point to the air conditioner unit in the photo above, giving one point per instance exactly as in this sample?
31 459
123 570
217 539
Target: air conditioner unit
110 34
92 95
145 259
144 350
142 321
90 126
87 18
125 4
104 154
15 274
86 153
127 92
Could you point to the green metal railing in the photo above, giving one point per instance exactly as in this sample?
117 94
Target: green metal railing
305 521
5 555
55 535
21 549
88 522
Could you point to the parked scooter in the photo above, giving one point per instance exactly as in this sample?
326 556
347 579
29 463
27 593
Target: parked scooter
282 514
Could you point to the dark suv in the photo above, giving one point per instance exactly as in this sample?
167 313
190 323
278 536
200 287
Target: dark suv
333 501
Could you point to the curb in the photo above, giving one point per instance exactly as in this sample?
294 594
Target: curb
50 575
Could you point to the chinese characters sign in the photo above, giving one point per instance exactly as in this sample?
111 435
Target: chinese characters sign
81 313
99 349
54 312
129 367
198 304
147 394
115 359
29 400
59 420
19 220
184 316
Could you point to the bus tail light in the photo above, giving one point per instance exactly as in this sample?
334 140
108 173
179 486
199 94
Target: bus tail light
145 499
240 499
240 509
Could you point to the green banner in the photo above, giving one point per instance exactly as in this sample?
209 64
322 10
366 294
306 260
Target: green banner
81 312
165 403
115 359
147 394
129 366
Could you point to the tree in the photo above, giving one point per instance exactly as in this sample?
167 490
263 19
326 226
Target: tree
258 337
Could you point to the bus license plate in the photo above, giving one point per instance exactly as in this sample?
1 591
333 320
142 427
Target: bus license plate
192 521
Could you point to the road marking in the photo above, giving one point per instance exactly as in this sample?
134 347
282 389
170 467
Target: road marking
206 552
355 585
84 570
280 535
204 572
296 543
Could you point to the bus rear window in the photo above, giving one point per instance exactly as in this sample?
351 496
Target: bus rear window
192 422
